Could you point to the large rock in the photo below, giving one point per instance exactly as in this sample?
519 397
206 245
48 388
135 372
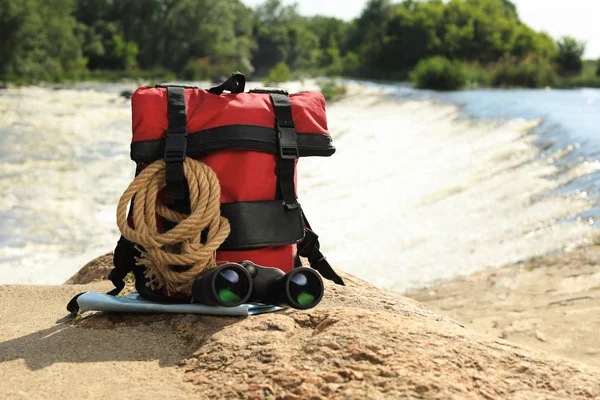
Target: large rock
95 270
360 343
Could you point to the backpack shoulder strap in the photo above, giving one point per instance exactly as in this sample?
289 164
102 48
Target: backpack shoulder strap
309 248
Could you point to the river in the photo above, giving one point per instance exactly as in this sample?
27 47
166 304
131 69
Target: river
424 186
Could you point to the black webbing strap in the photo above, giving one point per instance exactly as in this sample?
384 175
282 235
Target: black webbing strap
309 248
176 144
288 149
235 84
123 261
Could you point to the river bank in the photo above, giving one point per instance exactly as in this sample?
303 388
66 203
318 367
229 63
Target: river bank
551 303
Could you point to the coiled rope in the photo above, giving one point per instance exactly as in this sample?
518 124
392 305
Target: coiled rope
174 258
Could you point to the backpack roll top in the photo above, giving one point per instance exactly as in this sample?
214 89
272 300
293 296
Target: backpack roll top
243 121
252 141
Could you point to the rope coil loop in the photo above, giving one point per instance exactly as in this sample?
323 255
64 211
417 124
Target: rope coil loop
174 258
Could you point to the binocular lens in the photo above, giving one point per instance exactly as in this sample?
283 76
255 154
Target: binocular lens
298 289
305 288
229 287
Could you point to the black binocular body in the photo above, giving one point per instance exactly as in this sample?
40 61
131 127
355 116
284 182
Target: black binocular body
232 284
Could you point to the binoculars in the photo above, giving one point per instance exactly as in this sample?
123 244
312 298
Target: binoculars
232 284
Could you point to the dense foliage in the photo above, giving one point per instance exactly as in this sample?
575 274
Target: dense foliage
533 72
570 52
53 40
41 40
439 73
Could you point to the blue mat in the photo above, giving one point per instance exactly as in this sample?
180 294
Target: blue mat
132 303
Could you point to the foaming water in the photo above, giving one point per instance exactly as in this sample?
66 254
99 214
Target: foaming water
415 193
64 159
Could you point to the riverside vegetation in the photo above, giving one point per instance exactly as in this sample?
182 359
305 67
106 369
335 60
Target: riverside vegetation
456 44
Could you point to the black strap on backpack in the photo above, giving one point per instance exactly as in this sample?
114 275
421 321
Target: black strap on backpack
176 143
235 84
287 144
309 248
288 153
124 261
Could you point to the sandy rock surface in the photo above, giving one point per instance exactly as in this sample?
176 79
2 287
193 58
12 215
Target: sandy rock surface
96 270
359 343
43 356
551 303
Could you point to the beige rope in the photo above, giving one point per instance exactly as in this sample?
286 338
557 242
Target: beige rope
174 258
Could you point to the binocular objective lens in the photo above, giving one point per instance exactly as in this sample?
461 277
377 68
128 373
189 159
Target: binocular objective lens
300 289
229 287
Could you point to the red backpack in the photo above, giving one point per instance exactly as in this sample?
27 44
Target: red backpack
252 141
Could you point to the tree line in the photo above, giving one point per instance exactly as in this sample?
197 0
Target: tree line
53 40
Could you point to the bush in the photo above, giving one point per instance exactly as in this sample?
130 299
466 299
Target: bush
478 76
587 81
439 73
532 72
279 73
598 69
348 65
332 91
569 57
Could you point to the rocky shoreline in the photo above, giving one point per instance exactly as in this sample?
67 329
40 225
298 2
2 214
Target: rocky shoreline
359 343
551 303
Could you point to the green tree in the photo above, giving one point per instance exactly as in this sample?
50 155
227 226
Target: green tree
569 57
282 36
411 35
279 73
526 41
510 9
478 29
302 44
40 41
104 47
271 25
369 32
167 33
598 68
328 29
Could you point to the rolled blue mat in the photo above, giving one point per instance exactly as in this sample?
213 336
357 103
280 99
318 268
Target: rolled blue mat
92 301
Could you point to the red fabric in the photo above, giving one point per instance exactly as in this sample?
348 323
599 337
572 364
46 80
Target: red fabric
244 175
281 257
206 110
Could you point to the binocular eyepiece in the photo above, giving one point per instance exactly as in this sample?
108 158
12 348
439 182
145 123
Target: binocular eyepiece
232 284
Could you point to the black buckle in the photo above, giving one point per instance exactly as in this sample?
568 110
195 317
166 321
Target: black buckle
292 206
176 145
286 135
